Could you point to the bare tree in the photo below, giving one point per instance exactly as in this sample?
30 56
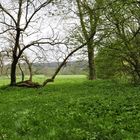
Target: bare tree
66 58
19 20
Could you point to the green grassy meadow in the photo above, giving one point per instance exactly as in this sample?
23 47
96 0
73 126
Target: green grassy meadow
71 108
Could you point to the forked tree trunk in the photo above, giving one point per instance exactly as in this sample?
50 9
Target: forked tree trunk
17 45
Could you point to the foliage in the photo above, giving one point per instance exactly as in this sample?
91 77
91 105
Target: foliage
108 65
87 25
123 17
71 109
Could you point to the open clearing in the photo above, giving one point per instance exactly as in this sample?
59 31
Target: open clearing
72 108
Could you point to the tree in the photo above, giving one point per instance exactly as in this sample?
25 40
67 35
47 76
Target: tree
1 62
18 21
124 20
108 64
89 13
65 60
22 72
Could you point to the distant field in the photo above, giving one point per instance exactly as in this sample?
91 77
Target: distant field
72 108
4 80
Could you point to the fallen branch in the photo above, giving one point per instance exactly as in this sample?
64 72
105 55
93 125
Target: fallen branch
28 84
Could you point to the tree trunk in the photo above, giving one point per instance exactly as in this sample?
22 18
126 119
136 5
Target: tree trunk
30 71
30 68
137 71
17 45
91 63
1 67
65 61
22 73
13 72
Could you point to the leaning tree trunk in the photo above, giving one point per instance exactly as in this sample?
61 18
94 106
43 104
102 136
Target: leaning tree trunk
91 63
65 61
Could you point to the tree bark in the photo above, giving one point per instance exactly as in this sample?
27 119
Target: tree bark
13 72
30 72
93 20
91 63
17 45
22 73
29 67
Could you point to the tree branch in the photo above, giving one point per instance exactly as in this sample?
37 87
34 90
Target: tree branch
5 11
34 13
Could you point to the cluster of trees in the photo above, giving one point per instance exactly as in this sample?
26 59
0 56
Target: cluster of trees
121 49
106 33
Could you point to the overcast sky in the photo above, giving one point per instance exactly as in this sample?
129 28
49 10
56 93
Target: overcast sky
47 25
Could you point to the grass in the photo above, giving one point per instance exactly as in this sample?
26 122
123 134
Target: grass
72 108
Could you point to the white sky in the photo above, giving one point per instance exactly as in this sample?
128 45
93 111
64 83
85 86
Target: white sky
45 24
